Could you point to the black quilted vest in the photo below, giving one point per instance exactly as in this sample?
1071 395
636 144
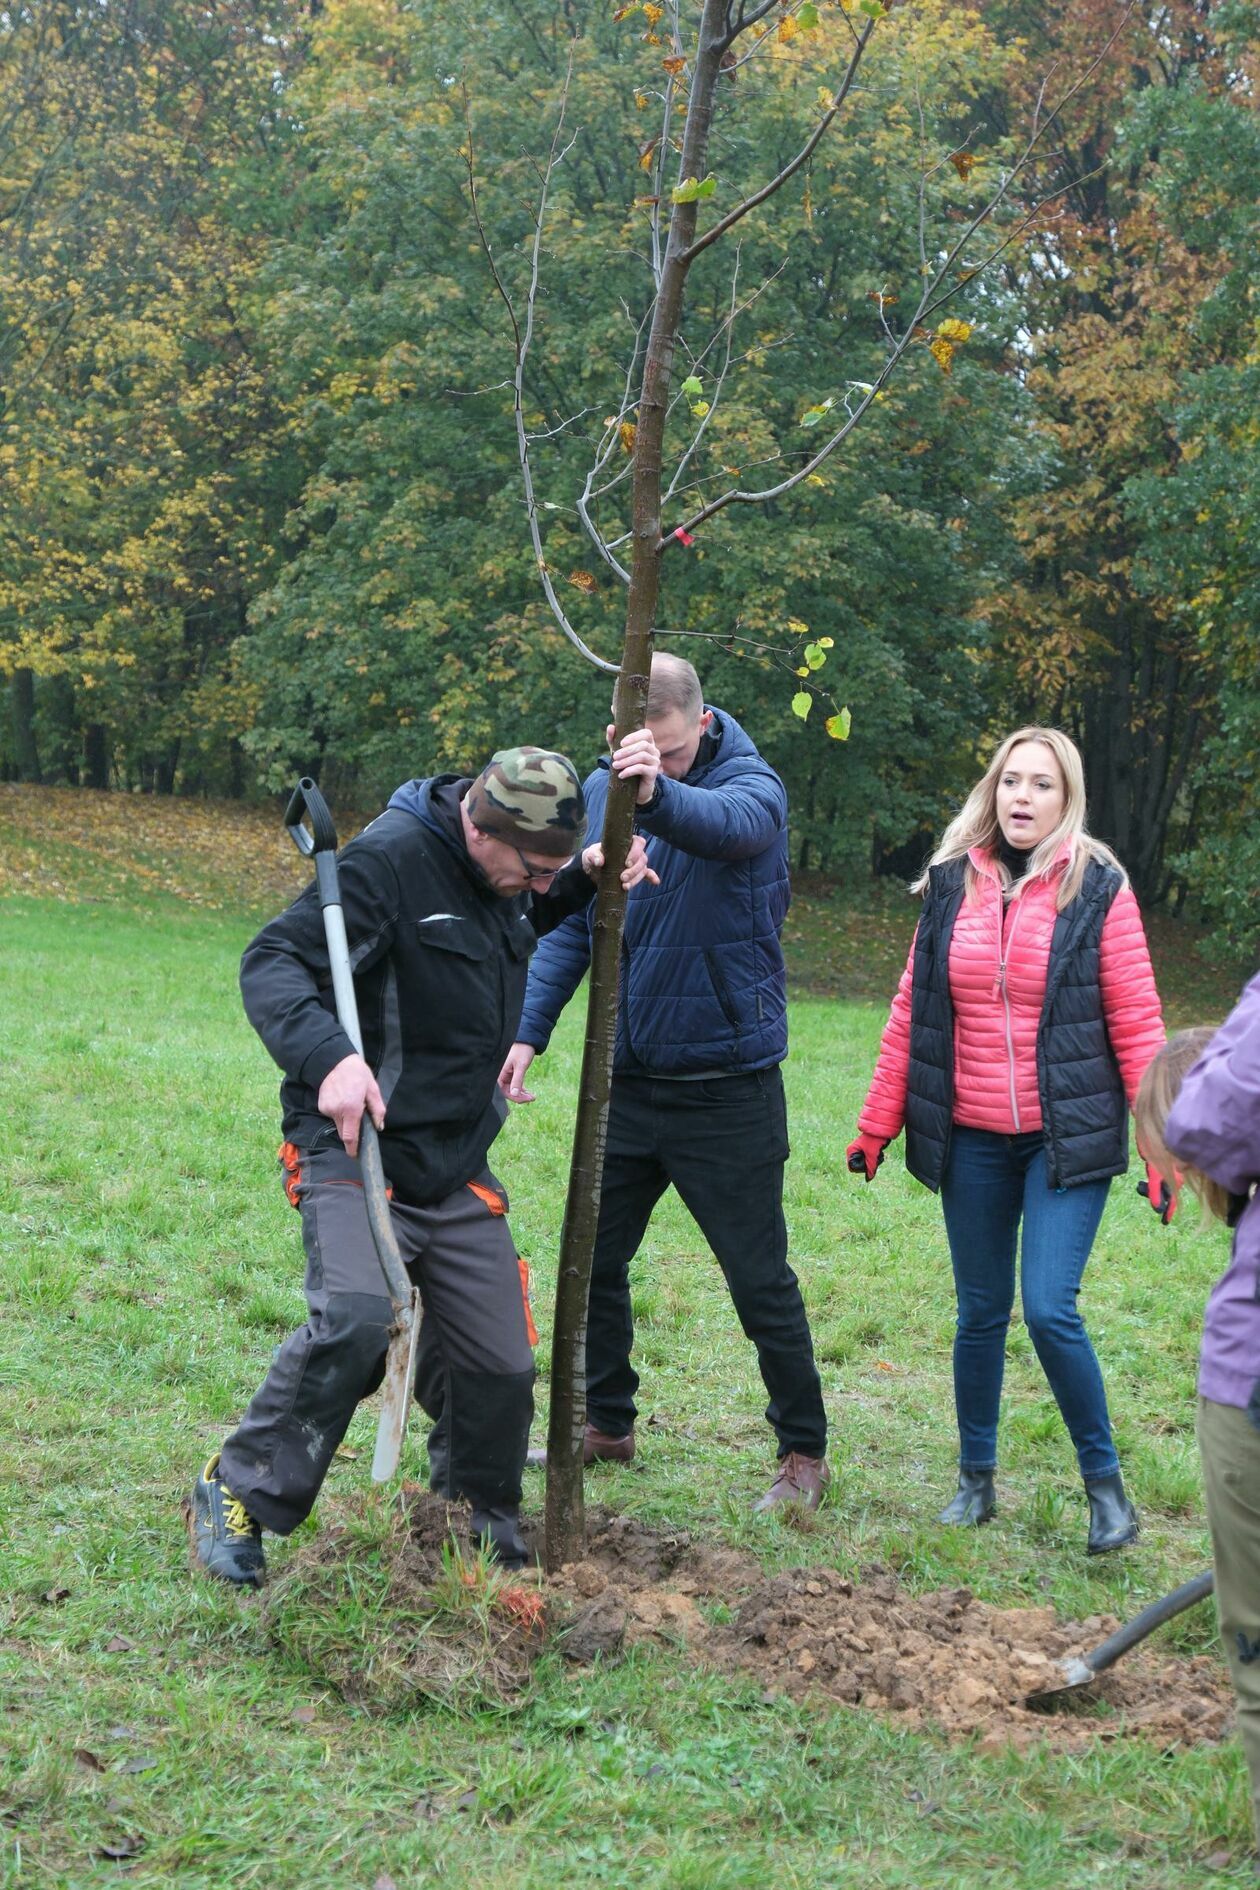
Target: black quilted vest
1083 1108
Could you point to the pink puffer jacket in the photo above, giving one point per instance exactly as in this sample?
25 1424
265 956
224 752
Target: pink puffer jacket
998 959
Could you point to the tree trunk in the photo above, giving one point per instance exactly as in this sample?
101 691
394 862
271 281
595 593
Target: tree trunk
25 752
95 756
565 1510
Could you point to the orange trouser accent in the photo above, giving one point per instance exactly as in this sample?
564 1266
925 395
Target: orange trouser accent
289 1160
497 1205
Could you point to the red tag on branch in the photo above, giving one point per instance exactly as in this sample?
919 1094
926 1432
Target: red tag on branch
684 537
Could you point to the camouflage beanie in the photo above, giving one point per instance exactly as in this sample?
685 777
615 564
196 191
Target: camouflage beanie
531 798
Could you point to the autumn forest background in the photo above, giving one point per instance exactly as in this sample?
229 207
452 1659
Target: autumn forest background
260 505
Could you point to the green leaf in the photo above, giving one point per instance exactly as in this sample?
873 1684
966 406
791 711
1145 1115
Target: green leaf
691 386
872 9
686 192
807 18
802 703
838 726
812 415
814 654
707 188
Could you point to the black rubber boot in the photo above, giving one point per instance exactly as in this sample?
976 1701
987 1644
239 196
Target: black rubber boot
496 1528
973 1502
1113 1521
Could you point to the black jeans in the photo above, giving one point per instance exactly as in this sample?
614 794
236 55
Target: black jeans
722 1143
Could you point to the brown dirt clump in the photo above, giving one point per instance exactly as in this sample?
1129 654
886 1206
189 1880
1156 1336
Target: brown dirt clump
412 1626
943 1659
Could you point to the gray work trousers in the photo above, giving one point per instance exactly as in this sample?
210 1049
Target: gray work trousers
479 1388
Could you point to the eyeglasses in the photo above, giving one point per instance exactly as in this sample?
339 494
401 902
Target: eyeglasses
539 872
531 872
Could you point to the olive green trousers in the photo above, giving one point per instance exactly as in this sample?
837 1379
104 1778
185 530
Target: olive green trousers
1229 1445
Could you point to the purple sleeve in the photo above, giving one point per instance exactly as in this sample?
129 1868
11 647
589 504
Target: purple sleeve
1215 1122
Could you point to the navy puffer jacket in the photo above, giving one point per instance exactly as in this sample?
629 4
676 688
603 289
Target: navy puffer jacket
702 983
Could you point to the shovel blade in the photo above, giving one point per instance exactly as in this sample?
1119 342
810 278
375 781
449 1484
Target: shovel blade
400 1378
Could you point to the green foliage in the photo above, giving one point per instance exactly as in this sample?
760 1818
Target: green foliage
261 503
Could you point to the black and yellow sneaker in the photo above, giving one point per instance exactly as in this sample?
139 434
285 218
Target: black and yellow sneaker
226 1540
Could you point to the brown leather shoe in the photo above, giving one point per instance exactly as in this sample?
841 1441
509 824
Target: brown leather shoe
800 1480
597 1447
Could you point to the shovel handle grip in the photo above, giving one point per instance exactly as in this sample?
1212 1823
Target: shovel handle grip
307 800
1109 1651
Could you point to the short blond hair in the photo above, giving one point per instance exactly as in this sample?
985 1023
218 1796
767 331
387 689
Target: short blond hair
674 684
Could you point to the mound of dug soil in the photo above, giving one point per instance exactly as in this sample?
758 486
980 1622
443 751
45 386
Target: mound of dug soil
943 1659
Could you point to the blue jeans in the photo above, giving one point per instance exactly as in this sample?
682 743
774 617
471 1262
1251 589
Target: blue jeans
990 1183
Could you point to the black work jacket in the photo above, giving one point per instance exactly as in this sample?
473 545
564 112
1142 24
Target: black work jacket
1084 1113
440 963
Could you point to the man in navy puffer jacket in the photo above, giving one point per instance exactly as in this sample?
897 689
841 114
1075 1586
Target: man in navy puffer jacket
697 1096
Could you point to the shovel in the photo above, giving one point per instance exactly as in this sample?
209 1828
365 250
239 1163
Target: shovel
400 1362
1081 1670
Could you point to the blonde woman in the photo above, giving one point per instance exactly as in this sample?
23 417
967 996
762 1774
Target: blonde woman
1024 1020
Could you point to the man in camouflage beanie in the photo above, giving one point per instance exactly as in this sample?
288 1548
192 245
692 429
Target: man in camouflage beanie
444 896
530 797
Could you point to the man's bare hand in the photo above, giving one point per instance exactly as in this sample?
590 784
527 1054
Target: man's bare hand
512 1075
348 1089
635 869
638 758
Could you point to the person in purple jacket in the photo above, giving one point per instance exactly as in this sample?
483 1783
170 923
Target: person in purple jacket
1199 1106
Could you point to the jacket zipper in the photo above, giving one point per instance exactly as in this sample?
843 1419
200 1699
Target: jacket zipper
999 989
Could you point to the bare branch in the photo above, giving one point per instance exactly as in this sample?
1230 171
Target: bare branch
931 298
811 144
521 341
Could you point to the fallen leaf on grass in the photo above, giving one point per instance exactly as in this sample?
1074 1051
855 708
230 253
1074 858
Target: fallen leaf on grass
143 1763
88 1760
384 1882
53 1595
524 1606
344 1450
120 1645
305 1715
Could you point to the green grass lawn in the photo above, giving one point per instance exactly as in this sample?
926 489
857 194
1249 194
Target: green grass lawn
149 1264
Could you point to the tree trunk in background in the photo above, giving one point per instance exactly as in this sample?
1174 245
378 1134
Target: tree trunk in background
25 752
95 756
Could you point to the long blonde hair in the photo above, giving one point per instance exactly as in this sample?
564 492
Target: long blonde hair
1157 1092
976 824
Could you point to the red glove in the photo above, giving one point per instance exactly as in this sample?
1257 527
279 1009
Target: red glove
1156 1190
865 1155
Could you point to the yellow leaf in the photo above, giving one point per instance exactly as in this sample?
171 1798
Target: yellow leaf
838 726
653 13
627 431
957 332
645 203
583 581
641 101
645 155
816 479
788 29
943 354
674 65
964 162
